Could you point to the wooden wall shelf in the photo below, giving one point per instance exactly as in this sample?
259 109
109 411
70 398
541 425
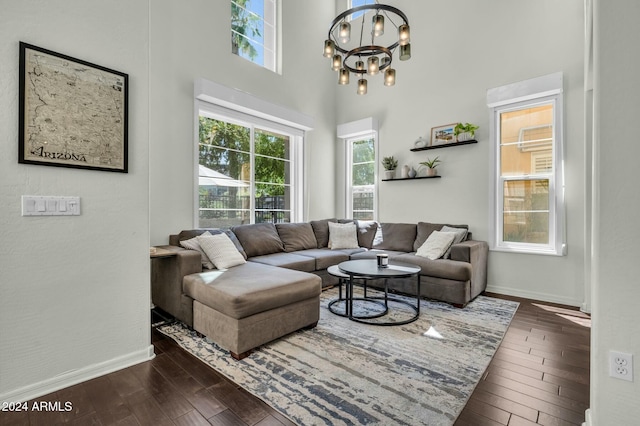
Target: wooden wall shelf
413 178
444 146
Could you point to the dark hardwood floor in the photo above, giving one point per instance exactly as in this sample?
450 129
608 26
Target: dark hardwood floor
539 375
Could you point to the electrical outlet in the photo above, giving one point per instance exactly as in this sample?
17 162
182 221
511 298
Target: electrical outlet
621 365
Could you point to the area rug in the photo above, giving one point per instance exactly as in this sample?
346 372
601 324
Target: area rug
346 373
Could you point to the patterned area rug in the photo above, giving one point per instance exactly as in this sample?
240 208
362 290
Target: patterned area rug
344 373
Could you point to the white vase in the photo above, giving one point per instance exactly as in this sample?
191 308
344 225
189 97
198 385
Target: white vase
465 136
405 171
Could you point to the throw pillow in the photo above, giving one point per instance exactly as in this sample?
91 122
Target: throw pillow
436 245
343 236
221 250
461 234
192 244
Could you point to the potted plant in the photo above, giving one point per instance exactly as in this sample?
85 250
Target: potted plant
465 132
390 164
431 166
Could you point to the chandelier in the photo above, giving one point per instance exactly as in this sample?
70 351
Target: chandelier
378 54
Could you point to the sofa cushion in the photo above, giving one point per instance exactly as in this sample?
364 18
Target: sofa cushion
343 236
425 229
325 257
396 237
193 244
192 233
296 236
366 232
286 260
321 231
259 239
436 245
440 268
221 250
237 293
371 254
461 235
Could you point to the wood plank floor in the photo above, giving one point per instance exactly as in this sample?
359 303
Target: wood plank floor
539 376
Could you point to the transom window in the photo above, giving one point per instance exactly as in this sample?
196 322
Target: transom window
528 161
253 31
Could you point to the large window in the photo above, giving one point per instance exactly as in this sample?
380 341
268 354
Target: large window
253 31
528 188
361 168
247 170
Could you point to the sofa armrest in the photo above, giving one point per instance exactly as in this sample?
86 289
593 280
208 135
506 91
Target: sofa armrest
476 253
166 281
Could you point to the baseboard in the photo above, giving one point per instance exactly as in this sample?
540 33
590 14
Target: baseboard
77 376
587 417
544 297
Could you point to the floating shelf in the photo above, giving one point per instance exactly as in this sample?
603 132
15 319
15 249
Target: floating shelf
447 145
413 178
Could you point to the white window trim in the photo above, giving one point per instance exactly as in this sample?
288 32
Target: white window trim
367 127
529 93
272 38
224 103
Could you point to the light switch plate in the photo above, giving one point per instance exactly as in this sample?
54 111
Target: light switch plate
36 205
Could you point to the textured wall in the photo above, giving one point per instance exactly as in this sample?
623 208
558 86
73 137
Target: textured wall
480 45
188 45
615 263
74 290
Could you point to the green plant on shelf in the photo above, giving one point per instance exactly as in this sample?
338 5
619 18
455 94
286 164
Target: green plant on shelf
431 164
465 128
389 163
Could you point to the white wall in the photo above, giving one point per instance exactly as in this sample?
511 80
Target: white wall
615 259
460 49
74 290
194 42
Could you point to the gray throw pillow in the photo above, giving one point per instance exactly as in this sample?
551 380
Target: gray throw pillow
259 239
296 236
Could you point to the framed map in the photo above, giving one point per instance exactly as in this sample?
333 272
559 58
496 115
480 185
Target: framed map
72 113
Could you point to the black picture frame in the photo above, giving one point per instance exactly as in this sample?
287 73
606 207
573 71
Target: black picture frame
72 113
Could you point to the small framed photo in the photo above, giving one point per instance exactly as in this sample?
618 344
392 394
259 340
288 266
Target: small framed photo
443 135
72 113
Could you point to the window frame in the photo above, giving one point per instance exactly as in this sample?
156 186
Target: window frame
546 90
349 173
253 122
352 131
269 18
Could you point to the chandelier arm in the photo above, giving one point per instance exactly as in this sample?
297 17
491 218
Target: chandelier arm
367 51
376 7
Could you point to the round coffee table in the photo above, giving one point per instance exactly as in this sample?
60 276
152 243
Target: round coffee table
343 279
368 269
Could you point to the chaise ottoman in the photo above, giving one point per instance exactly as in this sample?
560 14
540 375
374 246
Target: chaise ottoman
251 304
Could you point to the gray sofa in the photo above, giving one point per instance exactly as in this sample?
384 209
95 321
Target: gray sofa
286 269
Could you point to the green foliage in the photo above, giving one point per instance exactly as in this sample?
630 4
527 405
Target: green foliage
432 164
363 171
244 26
466 127
225 147
389 163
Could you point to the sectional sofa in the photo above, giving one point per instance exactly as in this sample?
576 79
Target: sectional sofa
276 290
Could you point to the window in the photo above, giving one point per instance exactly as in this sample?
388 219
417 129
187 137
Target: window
528 189
362 185
253 31
361 168
248 170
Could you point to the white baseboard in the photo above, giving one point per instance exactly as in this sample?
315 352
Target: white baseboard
544 297
77 376
587 417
